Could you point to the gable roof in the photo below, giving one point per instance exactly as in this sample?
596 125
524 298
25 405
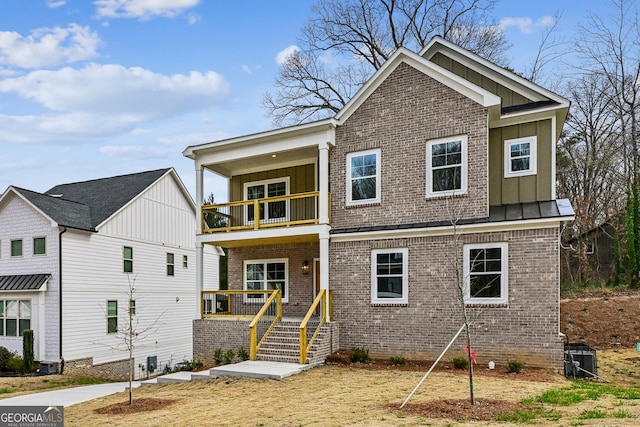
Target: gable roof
85 205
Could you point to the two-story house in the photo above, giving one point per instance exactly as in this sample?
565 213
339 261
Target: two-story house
442 165
76 259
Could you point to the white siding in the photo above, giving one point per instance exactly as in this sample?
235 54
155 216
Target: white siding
162 214
19 220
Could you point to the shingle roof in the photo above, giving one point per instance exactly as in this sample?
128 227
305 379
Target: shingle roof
519 211
23 282
85 205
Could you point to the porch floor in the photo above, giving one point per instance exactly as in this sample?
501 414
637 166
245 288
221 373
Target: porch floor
248 369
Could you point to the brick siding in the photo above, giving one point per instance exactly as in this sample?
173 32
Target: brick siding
116 370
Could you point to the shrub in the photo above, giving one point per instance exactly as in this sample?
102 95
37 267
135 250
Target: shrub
360 355
5 355
27 349
227 357
460 362
217 356
397 360
189 365
242 354
514 366
15 364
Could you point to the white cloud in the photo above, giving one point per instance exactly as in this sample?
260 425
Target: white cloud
193 18
48 46
134 94
526 25
55 4
142 9
282 56
246 68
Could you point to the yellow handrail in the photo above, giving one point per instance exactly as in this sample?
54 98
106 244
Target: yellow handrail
254 345
322 300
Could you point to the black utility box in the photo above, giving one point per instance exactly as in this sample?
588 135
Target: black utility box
580 361
48 368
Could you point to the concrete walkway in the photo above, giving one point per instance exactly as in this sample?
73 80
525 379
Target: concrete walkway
75 395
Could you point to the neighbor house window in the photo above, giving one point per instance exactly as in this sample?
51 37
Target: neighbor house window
266 275
185 261
170 264
39 246
15 317
447 166
389 276
363 177
127 259
112 317
16 247
485 272
520 157
132 307
270 211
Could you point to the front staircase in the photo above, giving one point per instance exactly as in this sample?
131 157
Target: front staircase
283 343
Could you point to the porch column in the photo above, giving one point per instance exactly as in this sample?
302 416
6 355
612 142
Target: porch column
324 184
324 269
199 277
199 198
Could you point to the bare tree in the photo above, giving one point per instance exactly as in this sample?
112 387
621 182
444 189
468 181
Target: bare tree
345 42
550 51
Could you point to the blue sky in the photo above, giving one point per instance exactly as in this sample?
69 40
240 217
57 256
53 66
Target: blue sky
90 89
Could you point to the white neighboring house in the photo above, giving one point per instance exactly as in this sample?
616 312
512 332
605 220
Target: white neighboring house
69 255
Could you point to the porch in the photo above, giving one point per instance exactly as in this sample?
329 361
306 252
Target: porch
253 320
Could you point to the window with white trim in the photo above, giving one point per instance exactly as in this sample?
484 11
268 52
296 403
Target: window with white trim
39 245
520 156
16 247
127 259
170 264
276 211
363 177
485 273
266 275
389 276
447 166
185 261
112 317
15 317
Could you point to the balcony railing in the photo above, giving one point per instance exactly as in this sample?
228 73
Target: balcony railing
281 211
237 304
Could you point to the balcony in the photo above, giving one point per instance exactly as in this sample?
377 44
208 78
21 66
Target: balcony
282 211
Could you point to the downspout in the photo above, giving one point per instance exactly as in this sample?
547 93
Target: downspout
60 297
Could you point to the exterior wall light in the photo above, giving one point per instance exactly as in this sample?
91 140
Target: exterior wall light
305 267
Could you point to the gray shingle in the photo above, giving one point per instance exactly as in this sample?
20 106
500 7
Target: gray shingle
23 282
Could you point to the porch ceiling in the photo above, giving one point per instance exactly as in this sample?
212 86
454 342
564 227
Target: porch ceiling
278 240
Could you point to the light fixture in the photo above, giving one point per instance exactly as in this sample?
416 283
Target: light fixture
273 155
305 267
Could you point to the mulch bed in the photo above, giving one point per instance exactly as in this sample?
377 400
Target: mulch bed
138 405
459 409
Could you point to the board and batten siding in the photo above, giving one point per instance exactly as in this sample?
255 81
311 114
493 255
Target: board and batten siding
531 188
301 179
19 220
165 305
162 213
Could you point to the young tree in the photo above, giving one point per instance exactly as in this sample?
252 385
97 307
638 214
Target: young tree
346 41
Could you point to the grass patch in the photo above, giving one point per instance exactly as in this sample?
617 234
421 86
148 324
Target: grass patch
6 390
580 391
621 413
592 414
527 416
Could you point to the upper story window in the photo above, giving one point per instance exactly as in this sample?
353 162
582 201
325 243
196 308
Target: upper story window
185 261
270 211
127 259
485 272
16 248
447 166
363 177
389 276
520 156
39 245
170 264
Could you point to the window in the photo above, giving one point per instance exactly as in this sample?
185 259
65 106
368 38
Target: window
485 272
39 246
127 259
447 166
132 307
520 157
389 278
363 177
16 247
590 248
271 211
265 275
15 317
185 261
170 264
112 317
